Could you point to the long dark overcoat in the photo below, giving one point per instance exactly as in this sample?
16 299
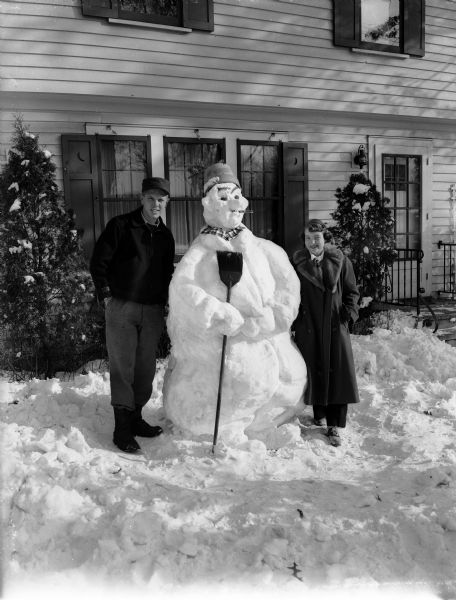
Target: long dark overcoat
329 300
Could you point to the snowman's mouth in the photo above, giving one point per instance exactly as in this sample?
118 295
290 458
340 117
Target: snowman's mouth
240 212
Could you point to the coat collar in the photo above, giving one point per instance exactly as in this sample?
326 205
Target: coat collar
331 265
137 220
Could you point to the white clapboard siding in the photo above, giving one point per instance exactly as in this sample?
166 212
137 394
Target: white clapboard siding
262 53
331 141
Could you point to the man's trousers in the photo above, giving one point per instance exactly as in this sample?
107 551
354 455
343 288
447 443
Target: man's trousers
132 335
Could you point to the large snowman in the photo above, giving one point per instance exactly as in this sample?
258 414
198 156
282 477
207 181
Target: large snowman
264 373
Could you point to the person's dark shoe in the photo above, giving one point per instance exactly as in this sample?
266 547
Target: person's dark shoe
319 422
123 436
333 436
142 428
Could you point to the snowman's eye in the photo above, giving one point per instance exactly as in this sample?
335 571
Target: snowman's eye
236 197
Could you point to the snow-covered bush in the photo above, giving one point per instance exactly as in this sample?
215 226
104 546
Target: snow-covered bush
364 230
45 288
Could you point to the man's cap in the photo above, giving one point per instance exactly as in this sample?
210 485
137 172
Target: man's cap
155 183
219 173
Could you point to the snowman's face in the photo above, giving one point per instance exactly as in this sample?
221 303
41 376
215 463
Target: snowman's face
224 206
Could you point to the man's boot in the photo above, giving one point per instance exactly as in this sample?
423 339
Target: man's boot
123 436
143 429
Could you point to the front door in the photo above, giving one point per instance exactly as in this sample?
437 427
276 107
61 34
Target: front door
402 170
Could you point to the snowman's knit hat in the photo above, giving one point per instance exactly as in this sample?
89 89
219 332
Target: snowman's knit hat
218 173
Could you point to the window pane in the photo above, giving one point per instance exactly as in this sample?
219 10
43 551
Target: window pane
257 184
407 197
138 158
260 185
186 220
271 183
380 22
109 184
123 184
401 197
270 158
414 221
401 241
187 161
388 166
414 169
108 157
168 8
260 219
123 167
414 242
122 155
401 168
414 195
401 221
246 184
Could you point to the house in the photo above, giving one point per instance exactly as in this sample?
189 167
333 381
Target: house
288 92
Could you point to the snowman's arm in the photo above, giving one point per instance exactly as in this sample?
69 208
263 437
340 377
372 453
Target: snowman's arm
285 303
195 304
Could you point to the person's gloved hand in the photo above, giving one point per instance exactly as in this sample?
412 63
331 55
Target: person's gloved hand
344 315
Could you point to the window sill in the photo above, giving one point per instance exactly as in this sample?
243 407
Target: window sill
149 25
380 53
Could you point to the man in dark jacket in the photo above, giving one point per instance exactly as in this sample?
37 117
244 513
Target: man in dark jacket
329 302
131 267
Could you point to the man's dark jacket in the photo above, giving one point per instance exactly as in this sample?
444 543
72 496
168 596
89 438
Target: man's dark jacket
329 300
133 261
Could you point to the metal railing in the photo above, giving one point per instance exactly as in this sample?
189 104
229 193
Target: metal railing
403 279
449 268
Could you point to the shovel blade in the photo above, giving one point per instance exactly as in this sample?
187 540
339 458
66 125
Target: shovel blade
230 267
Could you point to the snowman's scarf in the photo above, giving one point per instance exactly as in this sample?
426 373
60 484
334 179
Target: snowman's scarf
226 234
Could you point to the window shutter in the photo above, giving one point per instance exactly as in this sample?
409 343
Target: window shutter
346 23
414 19
198 14
295 193
80 180
99 8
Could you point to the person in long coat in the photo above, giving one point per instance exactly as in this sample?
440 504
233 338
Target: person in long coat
329 303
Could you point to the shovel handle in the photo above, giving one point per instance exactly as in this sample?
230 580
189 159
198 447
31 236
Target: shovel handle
219 393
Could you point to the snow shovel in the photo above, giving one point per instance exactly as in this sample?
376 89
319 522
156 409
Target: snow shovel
230 270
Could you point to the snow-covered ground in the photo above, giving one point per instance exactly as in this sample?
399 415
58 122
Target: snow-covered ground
375 518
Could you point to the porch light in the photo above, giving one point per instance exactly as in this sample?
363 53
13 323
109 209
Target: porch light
360 157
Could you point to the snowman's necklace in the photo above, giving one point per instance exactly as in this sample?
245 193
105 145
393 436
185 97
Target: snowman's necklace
226 234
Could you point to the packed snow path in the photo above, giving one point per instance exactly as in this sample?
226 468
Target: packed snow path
379 512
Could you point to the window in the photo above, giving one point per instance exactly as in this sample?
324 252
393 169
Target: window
102 178
185 163
273 178
261 183
402 185
123 166
395 26
192 14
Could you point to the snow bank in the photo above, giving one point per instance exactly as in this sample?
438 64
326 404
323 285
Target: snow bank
376 516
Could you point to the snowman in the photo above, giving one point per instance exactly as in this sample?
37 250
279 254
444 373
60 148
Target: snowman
264 373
